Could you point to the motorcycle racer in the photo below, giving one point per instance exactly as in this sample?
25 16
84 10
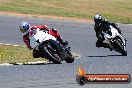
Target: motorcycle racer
102 24
25 27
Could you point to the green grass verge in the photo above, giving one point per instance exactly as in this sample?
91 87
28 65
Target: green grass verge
114 10
16 54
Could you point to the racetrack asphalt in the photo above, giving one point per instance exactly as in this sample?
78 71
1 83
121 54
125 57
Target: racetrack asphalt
81 38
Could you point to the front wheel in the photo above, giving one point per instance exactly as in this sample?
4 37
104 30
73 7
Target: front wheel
121 49
70 58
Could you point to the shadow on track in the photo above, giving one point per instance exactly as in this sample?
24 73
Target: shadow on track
105 56
48 63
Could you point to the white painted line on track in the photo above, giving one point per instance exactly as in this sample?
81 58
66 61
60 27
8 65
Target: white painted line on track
27 63
6 64
10 44
37 62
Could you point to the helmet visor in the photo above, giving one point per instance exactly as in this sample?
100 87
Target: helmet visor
97 22
23 30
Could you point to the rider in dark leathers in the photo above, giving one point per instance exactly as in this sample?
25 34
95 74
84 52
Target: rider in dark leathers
102 25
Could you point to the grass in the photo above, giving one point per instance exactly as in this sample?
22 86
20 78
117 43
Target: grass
16 54
114 10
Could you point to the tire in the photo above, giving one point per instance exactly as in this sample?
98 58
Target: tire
123 52
70 59
35 54
50 56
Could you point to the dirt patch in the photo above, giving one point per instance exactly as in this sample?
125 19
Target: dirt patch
3 0
43 16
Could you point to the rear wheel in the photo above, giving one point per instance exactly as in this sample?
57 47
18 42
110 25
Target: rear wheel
35 53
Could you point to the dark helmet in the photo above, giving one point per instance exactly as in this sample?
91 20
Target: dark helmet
98 19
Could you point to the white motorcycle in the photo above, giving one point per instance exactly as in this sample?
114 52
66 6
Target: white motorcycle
47 46
115 40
